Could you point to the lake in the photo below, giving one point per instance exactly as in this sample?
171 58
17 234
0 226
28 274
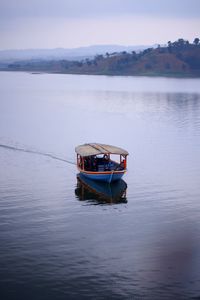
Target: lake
59 239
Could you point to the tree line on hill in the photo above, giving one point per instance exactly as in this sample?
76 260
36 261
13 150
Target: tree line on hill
178 58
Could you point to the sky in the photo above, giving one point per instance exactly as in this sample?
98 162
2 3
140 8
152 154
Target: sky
26 24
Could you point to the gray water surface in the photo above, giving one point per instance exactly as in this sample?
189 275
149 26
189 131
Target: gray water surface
59 240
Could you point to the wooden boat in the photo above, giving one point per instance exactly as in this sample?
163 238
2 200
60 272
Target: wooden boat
101 192
95 161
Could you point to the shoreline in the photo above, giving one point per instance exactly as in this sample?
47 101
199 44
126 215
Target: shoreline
151 75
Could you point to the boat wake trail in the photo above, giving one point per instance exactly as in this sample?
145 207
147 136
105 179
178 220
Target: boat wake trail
36 152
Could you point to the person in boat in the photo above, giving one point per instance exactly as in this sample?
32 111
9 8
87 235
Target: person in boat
123 164
106 162
86 163
90 163
94 163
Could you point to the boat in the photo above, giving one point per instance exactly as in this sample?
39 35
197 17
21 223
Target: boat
100 192
96 161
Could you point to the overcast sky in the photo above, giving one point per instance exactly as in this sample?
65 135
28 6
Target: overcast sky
75 23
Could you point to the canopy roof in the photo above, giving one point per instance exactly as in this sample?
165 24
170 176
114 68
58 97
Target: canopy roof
95 149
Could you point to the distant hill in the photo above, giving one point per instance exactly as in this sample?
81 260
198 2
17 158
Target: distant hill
179 58
8 56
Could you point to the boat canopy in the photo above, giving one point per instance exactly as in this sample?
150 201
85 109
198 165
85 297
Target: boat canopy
95 149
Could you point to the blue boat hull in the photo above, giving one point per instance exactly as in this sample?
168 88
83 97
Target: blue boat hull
109 177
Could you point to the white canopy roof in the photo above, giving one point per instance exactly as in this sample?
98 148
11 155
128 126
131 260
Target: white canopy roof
95 149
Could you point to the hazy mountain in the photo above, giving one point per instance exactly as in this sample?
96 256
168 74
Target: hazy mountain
61 53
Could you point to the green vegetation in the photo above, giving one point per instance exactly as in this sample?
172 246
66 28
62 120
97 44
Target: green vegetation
179 58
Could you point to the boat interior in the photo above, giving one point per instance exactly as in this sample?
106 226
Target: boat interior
101 163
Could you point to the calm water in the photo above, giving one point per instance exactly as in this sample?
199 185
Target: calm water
59 239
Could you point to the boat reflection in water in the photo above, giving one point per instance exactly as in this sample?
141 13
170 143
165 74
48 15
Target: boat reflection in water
101 192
